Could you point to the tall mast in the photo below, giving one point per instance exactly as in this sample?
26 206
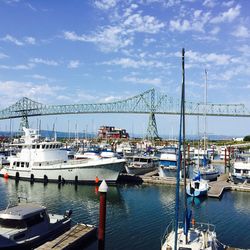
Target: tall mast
181 130
184 136
205 111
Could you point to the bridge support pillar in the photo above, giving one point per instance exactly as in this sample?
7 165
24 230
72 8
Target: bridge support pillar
23 123
152 132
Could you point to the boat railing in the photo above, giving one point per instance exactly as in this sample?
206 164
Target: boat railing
199 225
168 230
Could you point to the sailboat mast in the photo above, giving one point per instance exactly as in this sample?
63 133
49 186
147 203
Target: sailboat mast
184 133
205 111
181 130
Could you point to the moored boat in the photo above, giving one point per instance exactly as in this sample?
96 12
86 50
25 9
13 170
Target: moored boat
27 225
142 164
168 162
44 161
241 170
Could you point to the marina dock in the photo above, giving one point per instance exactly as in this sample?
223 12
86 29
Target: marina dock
216 187
78 235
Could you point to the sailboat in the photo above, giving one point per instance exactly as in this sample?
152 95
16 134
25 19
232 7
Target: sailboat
180 235
206 171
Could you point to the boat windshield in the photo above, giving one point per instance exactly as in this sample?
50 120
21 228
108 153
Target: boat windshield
10 223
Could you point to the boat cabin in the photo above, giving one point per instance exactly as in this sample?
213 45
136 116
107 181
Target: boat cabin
23 216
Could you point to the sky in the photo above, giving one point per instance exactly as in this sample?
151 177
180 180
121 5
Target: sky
92 51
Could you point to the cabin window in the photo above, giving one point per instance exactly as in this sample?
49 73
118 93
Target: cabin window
33 146
22 164
43 146
245 171
18 164
47 146
10 223
237 171
14 163
37 146
35 219
27 164
50 146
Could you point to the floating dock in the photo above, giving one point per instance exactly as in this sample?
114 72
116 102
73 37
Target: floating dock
216 187
78 235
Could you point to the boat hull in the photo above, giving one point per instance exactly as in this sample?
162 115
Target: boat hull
209 176
167 171
139 170
77 171
36 240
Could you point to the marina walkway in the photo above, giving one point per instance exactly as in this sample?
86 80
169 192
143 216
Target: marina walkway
77 235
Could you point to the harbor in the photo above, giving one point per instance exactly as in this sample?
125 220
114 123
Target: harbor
138 212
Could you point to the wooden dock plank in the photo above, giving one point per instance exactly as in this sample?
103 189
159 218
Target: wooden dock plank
69 239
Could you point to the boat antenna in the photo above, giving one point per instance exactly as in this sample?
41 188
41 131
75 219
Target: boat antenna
179 155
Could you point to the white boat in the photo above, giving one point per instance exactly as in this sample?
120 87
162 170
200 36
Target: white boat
207 172
28 225
199 236
180 235
168 162
142 164
197 187
241 170
44 161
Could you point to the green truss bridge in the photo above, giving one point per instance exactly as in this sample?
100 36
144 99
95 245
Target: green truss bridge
150 102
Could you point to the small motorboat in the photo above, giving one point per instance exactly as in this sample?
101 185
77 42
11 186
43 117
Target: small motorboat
197 187
28 225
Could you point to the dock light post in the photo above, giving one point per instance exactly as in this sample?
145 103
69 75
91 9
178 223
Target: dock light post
103 189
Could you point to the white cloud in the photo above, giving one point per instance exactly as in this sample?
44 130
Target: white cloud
8 90
147 81
227 16
25 40
215 30
105 4
244 49
2 55
148 41
146 24
43 61
212 58
209 3
196 22
18 67
73 64
30 40
241 31
228 3
31 7
9 38
38 77
121 32
130 63
108 39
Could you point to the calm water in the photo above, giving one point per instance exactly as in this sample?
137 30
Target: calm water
137 215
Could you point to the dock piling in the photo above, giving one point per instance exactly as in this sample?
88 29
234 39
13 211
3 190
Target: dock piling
103 188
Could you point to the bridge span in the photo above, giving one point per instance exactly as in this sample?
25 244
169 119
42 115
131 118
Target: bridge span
149 102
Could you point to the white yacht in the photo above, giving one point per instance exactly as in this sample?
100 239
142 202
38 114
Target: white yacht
142 164
168 162
44 161
241 170
28 225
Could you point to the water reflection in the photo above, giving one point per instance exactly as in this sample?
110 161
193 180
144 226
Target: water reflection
83 200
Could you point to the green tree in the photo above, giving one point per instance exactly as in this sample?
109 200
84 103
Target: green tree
247 138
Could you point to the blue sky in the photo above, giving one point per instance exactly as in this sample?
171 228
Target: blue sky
63 52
